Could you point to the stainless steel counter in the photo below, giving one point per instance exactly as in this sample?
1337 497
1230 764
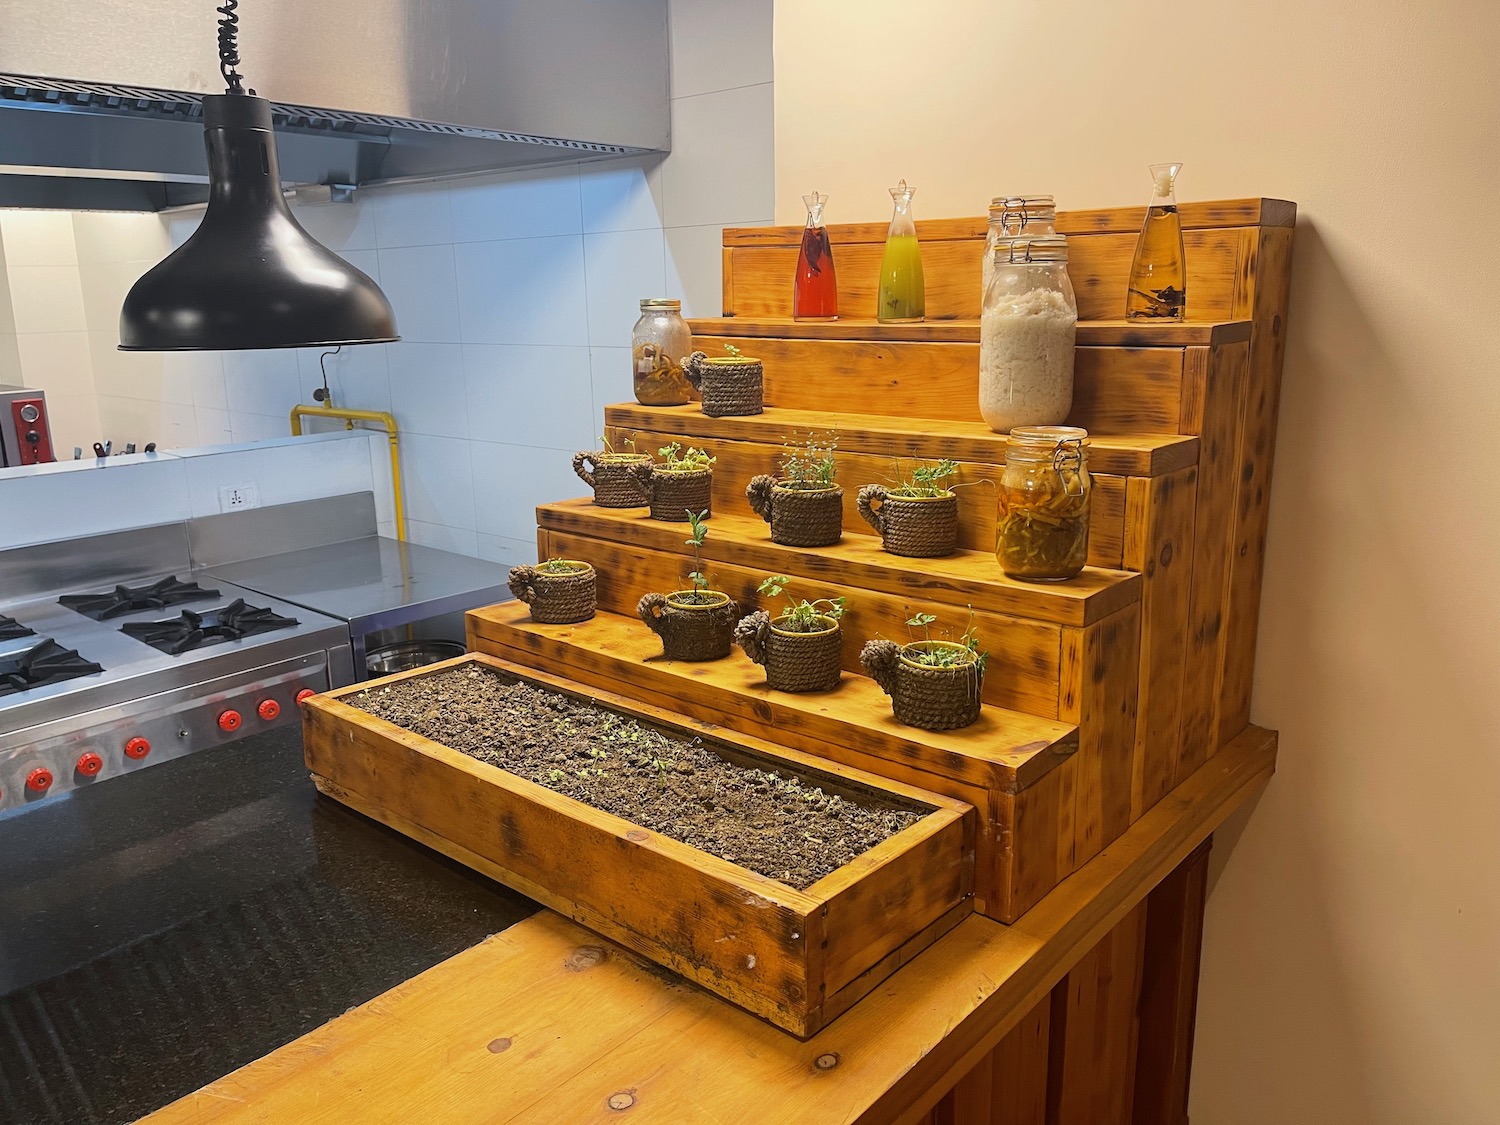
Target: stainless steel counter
373 583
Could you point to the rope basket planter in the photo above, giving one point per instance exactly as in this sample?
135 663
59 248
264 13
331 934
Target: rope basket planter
556 598
918 527
799 517
793 661
923 696
691 630
731 386
614 477
672 494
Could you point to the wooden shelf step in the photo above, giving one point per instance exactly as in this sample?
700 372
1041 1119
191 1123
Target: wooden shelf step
1133 455
1091 333
1019 771
961 579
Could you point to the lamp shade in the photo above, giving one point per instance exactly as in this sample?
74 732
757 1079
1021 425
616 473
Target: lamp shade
250 276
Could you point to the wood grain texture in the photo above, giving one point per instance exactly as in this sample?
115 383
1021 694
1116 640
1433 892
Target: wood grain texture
1159 526
1009 1085
750 939
1097 690
961 579
1093 1030
1035 851
1169 993
1005 750
1023 670
427 1050
1117 220
1213 407
1256 459
1104 333
741 461
1138 455
1116 391
1098 264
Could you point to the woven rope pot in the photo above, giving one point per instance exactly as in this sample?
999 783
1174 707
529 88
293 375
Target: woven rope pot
691 630
923 696
918 527
556 598
793 661
614 477
673 493
799 517
731 386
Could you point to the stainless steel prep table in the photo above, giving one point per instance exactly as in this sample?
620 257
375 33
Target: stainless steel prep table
373 583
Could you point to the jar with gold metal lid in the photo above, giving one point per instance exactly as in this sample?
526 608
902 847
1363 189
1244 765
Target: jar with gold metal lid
659 343
1042 533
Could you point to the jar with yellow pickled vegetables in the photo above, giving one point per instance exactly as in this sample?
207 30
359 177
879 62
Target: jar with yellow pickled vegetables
1042 534
659 343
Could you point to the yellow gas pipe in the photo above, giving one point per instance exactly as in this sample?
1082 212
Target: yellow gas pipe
379 417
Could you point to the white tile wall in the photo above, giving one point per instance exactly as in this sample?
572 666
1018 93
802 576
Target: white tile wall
514 296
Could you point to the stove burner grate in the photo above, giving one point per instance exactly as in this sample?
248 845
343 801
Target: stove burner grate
128 599
42 664
232 622
10 629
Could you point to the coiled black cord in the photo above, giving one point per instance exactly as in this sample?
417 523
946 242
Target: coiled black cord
229 51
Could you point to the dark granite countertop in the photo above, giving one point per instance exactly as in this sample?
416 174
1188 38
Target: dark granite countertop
164 929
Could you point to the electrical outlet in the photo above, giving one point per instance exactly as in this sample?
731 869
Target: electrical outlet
238 497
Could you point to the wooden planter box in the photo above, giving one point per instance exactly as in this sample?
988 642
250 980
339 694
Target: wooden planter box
796 958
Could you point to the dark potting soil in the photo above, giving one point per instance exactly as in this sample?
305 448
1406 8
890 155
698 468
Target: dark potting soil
772 824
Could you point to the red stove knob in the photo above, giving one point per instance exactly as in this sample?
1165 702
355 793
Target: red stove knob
305 693
268 709
137 748
90 764
39 780
230 720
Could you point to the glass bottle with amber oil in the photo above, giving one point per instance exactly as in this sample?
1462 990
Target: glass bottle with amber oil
903 292
815 292
1158 275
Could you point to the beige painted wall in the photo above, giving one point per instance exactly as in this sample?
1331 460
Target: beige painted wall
1352 972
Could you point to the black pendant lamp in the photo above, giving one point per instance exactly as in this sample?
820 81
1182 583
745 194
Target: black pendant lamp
250 276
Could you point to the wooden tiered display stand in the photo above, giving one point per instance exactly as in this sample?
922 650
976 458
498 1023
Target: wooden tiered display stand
1114 739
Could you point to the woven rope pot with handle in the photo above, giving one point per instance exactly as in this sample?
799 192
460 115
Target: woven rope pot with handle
556 596
614 477
922 695
799 517
793 661
672 493
918 527
691 630
731 386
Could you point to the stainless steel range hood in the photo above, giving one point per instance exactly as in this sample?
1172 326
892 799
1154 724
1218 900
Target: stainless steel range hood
99 103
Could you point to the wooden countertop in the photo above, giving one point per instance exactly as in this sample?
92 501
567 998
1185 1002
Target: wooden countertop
547 1023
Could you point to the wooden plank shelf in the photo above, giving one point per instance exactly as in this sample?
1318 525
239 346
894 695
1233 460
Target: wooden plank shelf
1091 333
963 578
880 435
1020 771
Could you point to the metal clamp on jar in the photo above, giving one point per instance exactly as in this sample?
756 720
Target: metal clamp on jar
1042 534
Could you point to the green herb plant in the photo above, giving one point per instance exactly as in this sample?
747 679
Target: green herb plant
802 616
698 525
732 352
809 462
610 451
923 479
559 566
676 460
957 654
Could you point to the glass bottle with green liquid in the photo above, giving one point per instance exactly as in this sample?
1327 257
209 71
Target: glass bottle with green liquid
903 293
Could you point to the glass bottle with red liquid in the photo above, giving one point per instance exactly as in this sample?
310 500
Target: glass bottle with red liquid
815 295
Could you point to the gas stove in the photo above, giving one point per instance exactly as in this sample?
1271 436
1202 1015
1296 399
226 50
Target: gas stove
96 684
